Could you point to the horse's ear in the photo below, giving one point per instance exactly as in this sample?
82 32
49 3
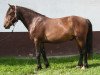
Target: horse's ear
11 6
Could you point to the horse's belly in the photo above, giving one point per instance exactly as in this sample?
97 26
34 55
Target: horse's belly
58 37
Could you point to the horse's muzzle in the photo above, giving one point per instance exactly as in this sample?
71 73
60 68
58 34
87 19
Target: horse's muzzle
6 27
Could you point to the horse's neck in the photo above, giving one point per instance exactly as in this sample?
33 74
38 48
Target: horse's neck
28 17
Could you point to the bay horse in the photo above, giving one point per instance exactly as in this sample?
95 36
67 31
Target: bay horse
43 29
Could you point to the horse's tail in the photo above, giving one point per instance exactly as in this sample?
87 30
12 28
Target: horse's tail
89 40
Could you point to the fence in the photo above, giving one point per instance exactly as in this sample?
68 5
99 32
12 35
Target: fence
19 44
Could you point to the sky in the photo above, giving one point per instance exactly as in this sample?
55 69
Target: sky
54 9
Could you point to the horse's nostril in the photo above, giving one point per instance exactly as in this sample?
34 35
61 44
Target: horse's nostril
4 26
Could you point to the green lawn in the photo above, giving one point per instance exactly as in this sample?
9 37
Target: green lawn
58 66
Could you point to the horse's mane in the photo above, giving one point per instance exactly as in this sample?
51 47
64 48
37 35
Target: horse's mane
29 10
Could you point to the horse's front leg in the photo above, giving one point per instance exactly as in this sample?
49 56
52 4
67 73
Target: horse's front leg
38 54
44 55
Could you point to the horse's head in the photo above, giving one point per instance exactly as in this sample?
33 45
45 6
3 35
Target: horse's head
11 17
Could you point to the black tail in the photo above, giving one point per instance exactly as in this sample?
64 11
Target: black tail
89 40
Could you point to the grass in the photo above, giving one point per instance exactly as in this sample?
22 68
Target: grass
58 66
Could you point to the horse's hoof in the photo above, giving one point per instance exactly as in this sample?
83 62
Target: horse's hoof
78 66
83 68
47 65
35 71
38 68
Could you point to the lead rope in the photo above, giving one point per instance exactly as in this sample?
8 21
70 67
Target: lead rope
13 28
8 35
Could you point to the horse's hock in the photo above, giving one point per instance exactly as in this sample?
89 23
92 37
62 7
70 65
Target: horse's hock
19 44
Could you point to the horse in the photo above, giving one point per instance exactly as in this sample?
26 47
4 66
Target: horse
43 29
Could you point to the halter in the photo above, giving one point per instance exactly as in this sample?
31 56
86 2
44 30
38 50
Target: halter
15 18
15 11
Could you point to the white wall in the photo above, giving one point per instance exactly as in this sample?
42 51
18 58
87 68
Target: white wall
55 8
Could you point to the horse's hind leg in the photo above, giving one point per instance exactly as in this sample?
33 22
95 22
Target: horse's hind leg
81 45
85 59
85 64
44 55
80 62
